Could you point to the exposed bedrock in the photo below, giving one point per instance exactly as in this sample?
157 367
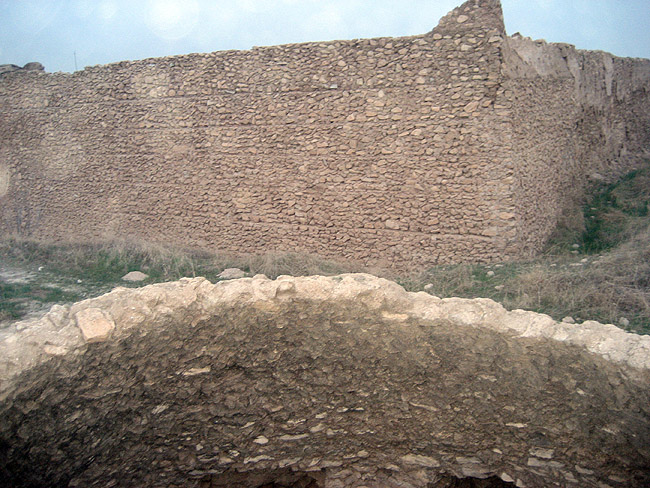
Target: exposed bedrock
318 382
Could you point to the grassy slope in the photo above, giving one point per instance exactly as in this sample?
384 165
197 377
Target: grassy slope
597 269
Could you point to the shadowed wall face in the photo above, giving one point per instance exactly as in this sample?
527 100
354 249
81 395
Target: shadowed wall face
346 381
397 152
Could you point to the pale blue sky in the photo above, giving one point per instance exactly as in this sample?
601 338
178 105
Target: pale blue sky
105 31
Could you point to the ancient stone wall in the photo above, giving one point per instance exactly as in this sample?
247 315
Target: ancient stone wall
346 381
396 152
577 116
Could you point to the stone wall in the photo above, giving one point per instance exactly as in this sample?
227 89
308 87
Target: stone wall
578 117
346 381
395 152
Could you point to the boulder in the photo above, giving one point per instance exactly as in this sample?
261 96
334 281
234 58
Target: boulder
232 274
34 66
135 276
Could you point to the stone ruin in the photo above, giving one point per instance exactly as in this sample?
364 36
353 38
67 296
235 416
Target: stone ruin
10 68
463 144
328 382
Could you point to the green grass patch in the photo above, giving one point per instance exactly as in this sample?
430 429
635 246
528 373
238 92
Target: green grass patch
14 298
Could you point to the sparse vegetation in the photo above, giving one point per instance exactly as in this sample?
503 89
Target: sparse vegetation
596 268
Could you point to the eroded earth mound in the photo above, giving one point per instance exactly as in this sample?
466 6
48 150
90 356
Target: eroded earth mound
318 382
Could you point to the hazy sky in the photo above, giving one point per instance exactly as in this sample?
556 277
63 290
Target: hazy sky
105 31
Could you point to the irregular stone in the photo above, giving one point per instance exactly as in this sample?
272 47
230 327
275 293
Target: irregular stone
471 106
8 68
54 350
424 461
135 276
541 452
392 224
232 274
95 324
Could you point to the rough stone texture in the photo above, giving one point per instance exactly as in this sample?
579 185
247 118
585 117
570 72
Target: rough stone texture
320 382
458 145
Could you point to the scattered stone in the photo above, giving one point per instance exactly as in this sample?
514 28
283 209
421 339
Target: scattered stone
289 437
462 19
317 428
417 459
499 287
159 409
576 246
261 440
428 287
471 107
257 459
541 452
597 177
232 274
505 477
490 273
584 471
195 371
568 320
54 350
624 322
135 276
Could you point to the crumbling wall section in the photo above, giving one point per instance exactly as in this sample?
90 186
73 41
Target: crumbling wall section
349 381
577 117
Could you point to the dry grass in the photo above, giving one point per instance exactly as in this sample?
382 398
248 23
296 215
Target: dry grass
607 279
